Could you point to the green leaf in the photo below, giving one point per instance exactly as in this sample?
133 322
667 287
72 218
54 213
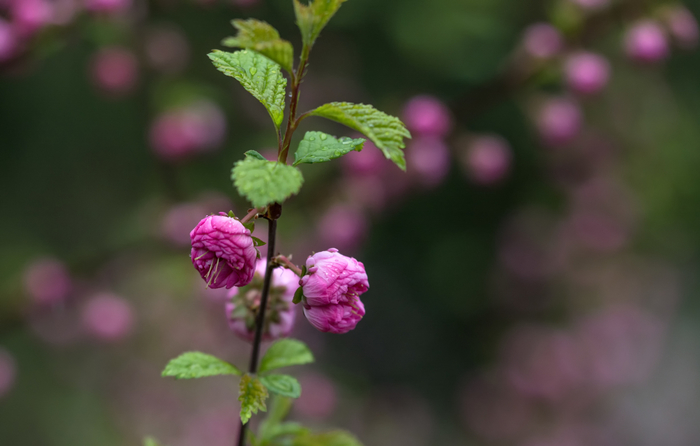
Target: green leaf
198 365
334 438
258 242
259 75
318 147
255 154
265 182
260 36
298 295
386 132
249 225
285 352
312 18
252 396
289 428
284 385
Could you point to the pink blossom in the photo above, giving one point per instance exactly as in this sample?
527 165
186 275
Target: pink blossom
182 132
8 372
331 291
114 70
343 226
646 42
107 6
368 161
167 49
587 73
427 116
428 159
559 121
29 16
8 41
487 159
542 41
682 26
223 251
280 314
47 281
108 317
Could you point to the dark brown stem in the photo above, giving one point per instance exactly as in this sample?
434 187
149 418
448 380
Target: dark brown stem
293 122
260 323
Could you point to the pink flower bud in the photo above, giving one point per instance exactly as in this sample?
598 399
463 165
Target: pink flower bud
427 116
223 251
682 26
343 226
47 281
114 70
242 310
428 159
587 73
29 16
331 291
8 41
487 159
108 317
646 42
542 41
559 121
8 372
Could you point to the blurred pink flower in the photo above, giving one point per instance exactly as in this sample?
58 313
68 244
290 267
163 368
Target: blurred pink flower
683 26
428 160
368 161
47 281
542 363
342 226
487 159
167 49
319 398
9 42
107 6
331 291
542 41
8 372
223 251
427 116
587 73
108 317
29 16
559 121
280 314
183 132
367 193
114 70
646 42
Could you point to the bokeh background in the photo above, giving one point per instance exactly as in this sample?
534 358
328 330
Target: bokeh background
533 274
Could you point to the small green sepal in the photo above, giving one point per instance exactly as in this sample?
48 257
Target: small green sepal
298 296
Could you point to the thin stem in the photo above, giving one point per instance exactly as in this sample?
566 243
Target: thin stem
250 215
293 122
260 323
289 264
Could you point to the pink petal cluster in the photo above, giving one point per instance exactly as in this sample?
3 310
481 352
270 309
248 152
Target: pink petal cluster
29 16
646 42
559 121
542 41
183 132
223 251
487 159
427 116
114 70
108 317
331 291
280 312
587 73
